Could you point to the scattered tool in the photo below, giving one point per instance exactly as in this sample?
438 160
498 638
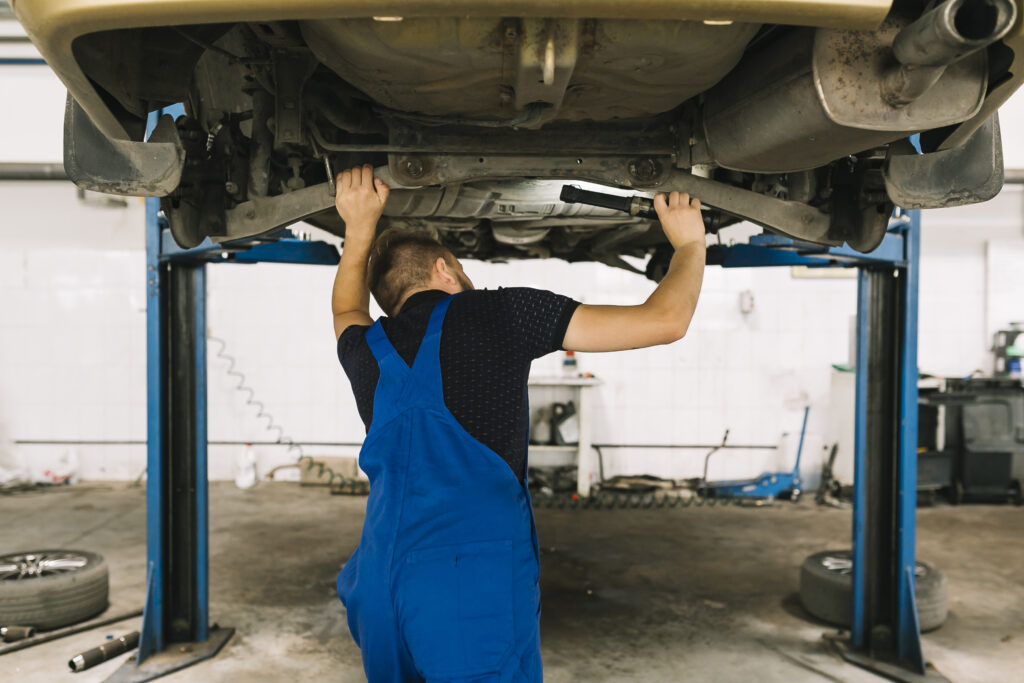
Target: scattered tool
40 638
830 491
9 634
767 486
107 650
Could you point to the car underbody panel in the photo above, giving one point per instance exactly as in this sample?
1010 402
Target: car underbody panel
565 69
789 115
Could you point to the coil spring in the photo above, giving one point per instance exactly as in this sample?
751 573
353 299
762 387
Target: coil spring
642 501
344 484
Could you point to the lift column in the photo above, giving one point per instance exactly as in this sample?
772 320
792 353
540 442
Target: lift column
885 635
175 624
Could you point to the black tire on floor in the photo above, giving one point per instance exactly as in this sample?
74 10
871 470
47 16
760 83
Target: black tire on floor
54 599
827 592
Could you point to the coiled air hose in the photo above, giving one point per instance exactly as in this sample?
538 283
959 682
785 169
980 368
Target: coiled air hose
338 482
637 501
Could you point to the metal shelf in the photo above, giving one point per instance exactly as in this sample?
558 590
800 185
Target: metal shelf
564 382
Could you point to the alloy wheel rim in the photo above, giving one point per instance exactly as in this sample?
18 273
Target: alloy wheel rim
22 566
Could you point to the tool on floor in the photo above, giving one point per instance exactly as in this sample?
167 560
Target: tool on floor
766 487
830 490
107 650
40 638
637 205
9 634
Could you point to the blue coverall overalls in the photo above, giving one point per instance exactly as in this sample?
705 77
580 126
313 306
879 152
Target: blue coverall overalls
443 585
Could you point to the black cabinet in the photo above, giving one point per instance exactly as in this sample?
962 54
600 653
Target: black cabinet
984 432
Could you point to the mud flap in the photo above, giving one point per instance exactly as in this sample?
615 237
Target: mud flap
963 175
96 162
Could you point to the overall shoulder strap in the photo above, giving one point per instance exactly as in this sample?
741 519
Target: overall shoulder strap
428 362
382 349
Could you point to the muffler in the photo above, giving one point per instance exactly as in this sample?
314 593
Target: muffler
817 95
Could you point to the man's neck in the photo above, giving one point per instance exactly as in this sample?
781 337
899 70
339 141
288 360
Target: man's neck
414 292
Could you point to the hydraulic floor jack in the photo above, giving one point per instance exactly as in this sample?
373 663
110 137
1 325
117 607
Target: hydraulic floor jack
765 487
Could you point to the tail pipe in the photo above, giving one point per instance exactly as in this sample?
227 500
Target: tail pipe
941 36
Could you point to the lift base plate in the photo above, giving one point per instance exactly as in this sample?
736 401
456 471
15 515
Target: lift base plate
177 656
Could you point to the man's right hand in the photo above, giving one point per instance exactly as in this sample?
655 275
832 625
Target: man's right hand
360 200
665 316
680 218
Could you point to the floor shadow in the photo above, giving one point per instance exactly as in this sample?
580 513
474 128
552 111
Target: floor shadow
791 605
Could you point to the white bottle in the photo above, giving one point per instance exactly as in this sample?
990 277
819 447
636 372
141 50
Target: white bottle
245 468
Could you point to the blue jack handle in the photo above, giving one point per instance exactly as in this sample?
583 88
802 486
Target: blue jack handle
800 446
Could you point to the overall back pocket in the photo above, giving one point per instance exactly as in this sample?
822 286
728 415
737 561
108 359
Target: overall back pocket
455 608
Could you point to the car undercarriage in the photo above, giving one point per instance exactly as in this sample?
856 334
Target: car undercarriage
800 129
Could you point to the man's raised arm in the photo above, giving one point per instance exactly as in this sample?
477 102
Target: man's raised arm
666 315
360 201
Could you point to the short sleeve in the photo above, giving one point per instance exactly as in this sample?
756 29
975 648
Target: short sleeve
350 339
360 367
538 319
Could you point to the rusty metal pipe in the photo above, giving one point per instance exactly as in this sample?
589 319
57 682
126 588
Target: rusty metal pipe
10 634
107 650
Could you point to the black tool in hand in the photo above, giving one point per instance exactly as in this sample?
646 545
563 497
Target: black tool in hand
635 206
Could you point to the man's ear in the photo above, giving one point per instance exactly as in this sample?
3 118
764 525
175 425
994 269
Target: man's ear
443 271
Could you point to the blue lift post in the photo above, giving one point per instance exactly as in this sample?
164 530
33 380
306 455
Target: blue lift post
884 637
175 624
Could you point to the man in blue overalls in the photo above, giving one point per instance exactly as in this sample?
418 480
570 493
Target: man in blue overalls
444 583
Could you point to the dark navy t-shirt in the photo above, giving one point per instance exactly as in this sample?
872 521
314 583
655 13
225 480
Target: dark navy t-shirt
488 341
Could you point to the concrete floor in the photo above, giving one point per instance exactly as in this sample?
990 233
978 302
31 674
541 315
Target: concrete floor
660 595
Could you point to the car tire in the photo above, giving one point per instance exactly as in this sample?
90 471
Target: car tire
826 593
48 589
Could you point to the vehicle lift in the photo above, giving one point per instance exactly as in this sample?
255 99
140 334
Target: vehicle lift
884 636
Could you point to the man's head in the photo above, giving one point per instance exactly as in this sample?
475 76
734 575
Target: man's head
403 262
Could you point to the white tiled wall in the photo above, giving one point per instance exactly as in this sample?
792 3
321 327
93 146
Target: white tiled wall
72 345
72 340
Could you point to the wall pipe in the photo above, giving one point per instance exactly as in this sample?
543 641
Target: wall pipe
29 171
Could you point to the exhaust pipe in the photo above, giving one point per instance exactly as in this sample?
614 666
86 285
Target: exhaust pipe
941 36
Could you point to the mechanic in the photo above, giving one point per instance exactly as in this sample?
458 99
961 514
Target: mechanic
444 583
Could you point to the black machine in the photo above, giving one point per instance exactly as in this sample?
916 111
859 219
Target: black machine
1008 352
982 459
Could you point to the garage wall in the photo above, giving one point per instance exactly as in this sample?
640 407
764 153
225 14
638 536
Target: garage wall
72 346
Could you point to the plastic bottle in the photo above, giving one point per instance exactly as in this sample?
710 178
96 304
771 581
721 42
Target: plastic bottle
245 468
